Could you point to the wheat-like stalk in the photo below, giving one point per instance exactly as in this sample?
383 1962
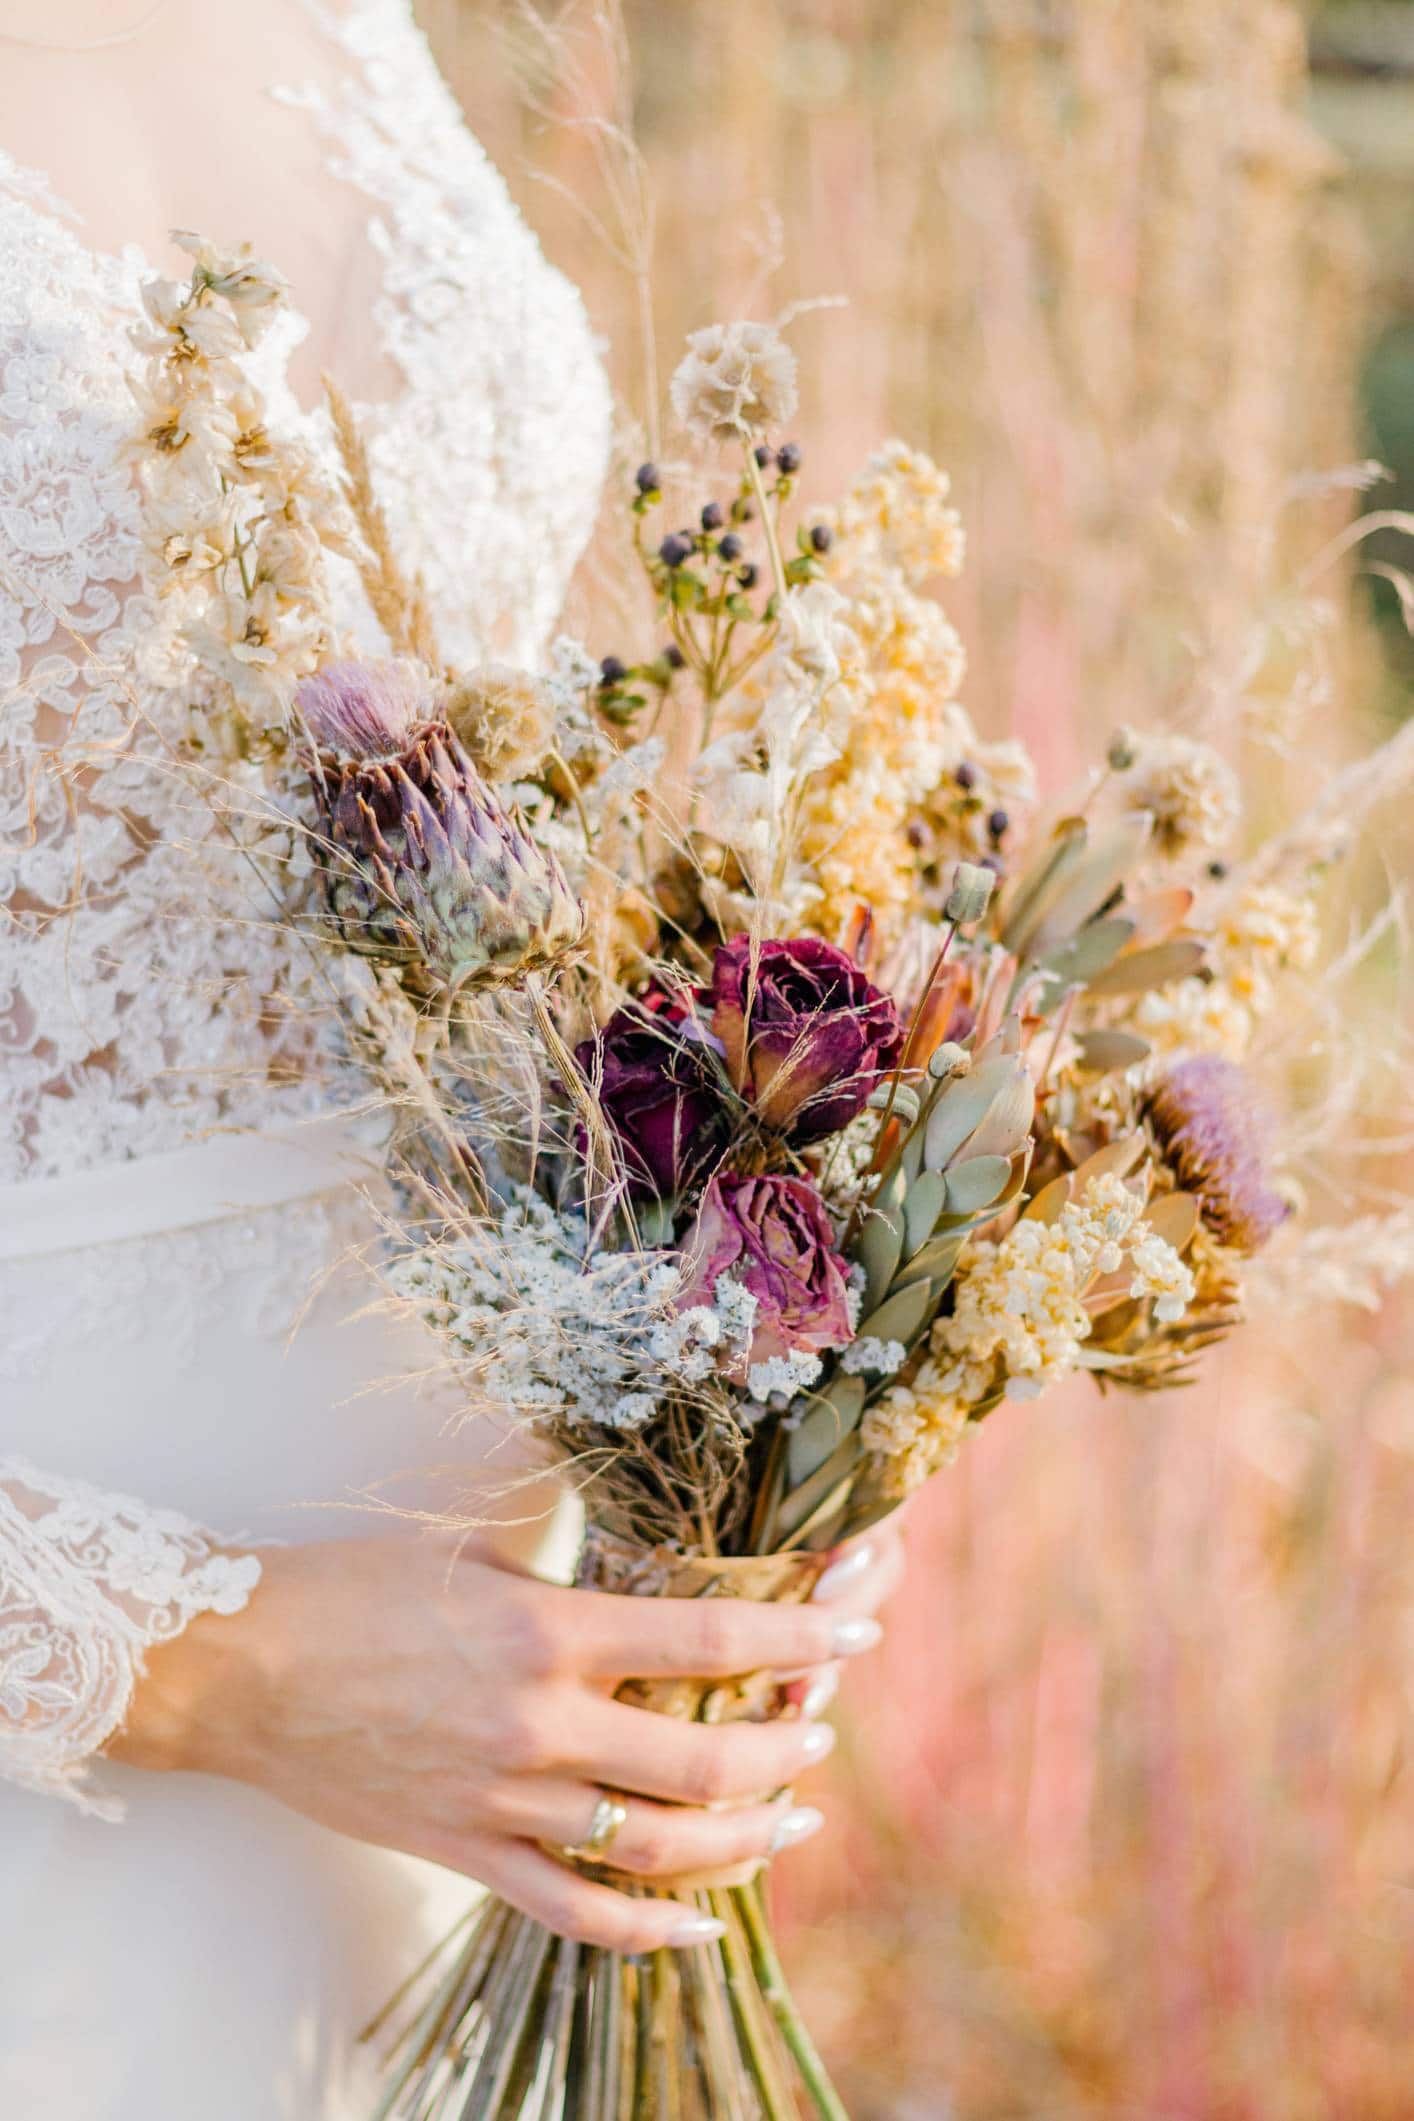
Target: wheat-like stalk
399 600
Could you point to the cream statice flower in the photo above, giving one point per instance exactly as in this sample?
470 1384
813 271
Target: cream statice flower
1189 790
736 381
899 507
787 726
1020 1322
1020 1319
1264 931
1267 930
913 1431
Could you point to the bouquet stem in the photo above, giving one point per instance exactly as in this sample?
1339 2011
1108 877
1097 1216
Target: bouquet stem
526 2026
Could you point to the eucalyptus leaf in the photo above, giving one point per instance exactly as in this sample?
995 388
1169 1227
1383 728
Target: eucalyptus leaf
1042 882
1143 970
1106 863
936 1263
1174 1218
1078 962
898 1319
1049 1202
960 1109
1008 1122
1117 1158
878 1249
832 1415
977 1183
922 1207
1102 1052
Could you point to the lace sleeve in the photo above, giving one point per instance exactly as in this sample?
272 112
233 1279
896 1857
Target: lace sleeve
88 1582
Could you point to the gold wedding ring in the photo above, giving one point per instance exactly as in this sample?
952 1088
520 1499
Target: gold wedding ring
609 1816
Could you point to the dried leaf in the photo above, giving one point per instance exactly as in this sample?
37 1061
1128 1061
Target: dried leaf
1102 1052
1141 970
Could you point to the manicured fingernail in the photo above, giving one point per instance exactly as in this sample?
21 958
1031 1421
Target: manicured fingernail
821 1694
818 1740
840 1575
798 1825
854 1637
696 1929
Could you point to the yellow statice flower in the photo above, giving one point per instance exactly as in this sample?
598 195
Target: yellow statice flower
857 820
914 1430
1266 931
1195 1016
1019 1317
1019 1323
899 507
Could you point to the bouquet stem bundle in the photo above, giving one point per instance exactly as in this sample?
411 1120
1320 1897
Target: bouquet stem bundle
511 2023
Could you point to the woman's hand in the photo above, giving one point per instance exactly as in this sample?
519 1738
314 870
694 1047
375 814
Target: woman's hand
431 1699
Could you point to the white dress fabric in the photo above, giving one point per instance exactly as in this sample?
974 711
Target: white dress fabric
178 1349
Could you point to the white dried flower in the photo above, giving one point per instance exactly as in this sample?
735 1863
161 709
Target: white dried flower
736 381
1191 792
505 717
873 1357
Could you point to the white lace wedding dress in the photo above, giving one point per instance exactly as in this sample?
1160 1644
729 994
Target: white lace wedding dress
169 1190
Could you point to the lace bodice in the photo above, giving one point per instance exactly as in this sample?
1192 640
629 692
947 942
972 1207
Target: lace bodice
142 1004
131 1015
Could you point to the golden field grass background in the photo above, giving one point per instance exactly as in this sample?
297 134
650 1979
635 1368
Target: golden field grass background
1124 1816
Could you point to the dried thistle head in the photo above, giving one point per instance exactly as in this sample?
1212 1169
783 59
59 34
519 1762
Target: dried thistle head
504 717
364 710
1214 1138
423 867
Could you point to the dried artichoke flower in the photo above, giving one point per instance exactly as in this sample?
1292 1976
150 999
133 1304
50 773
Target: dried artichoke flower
423 867
1214 1138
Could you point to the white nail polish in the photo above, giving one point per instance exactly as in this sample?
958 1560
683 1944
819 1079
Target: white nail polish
821 1694
818 1740
840 1575
695 1929
797 1826
854 1637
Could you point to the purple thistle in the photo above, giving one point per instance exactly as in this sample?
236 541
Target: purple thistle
422 864
1216 1140
363 710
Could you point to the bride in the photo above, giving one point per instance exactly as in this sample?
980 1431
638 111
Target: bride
255 1737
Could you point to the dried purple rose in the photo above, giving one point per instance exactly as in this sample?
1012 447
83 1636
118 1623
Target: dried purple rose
659 1087
773 1237
422 865
807 1037
1215 1139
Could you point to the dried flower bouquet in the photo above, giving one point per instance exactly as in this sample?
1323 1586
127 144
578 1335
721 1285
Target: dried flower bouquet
776 1092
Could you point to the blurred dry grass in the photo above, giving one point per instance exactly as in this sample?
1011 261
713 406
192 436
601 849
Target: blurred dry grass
1126 1812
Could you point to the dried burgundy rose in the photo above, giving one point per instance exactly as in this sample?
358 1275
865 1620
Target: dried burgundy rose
659 1086
773 1237
807 1036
